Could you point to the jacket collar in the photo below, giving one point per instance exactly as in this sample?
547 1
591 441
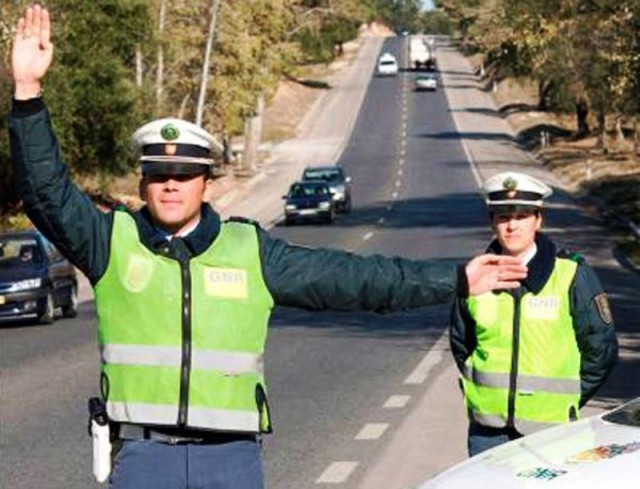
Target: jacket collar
540 266
197 241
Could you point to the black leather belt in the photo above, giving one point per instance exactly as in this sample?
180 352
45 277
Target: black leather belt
175 436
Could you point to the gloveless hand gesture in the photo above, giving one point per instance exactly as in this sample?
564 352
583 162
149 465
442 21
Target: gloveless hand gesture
494 272
32 52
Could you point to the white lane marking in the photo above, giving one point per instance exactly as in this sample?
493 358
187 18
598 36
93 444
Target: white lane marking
403 152
368 236
430 360
381 220
372 431
398 183
394 195
401 161
337 473
403 142
394 402
400 172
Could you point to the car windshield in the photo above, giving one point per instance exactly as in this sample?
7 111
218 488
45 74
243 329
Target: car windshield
628 415
387 62
19 251
328 174
308 190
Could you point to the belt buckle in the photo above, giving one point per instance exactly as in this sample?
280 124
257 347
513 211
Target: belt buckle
176 440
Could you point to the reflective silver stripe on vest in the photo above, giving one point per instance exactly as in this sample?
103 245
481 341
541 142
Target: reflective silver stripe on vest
219 419
231 363
142 413
215 419
522 426
525 383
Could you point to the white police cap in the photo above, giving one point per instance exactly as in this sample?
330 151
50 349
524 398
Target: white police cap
511 191
175 146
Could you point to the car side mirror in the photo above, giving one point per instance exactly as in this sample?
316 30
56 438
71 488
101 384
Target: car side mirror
348 179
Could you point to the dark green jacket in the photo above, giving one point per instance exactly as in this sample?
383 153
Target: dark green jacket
592 320
296 276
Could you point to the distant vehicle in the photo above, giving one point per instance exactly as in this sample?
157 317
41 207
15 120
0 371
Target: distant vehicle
309 201
422 55
35 279
387 65
427 81
598 452
338 181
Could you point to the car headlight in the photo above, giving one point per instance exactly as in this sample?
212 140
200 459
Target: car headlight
32 283
290 207
325 205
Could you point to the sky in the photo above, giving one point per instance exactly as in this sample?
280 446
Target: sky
427 4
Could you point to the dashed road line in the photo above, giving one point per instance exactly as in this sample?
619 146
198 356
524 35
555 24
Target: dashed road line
395 402
367 236
372 431
337 473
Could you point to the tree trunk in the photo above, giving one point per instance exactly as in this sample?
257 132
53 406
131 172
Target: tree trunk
215 4
160 67
582 112
544 87
138 66
602 132
252 137
636 137
619 131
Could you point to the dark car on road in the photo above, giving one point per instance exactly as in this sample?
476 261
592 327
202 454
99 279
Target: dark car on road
338 181
309 201
35 279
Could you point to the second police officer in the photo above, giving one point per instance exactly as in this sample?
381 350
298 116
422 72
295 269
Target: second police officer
530 357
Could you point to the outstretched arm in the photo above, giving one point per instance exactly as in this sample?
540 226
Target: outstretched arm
32 52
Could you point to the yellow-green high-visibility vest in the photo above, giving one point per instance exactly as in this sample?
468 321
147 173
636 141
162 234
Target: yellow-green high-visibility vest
183 345
525 370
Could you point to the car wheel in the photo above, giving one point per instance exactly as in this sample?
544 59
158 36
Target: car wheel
48 315
70 310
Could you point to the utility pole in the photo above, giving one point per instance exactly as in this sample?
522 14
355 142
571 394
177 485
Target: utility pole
215 4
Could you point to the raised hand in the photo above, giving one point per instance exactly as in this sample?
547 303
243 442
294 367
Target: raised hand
32 52
491 272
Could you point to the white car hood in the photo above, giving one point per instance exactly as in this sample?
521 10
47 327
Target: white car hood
588 454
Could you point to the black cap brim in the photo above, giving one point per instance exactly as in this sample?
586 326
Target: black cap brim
505 209
174 168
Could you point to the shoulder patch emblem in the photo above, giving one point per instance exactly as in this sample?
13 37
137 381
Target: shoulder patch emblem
602 304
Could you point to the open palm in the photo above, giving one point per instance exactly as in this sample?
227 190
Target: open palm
32 48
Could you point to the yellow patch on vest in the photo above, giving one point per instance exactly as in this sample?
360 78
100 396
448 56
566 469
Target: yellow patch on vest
226 282
542 307
137 273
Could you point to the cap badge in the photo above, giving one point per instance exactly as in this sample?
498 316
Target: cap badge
170 132
510 183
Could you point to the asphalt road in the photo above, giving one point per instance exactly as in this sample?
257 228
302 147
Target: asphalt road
343 388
